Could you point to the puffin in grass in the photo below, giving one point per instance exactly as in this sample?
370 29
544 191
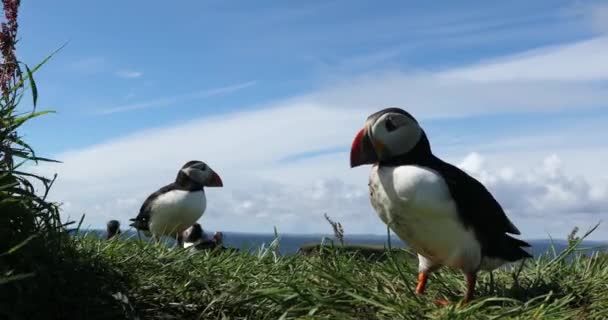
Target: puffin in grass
448 217
177 206
195 239
112 229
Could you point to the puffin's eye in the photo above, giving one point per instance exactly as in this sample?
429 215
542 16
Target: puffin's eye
390 126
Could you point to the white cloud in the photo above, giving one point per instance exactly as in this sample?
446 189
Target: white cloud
430 95
110 180
129 74
581 61
543 190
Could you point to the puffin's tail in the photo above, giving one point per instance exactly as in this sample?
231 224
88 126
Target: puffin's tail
512 249
138 224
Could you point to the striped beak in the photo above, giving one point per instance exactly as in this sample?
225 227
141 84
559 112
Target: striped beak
215 181
362 151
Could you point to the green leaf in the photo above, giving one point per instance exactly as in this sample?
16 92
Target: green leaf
18 141
8 186
33 85
16 277
45 160
31 72
17 122
19 246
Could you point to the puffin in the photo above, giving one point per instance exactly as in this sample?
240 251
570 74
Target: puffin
177 206
218 238
448 217
193 236
112 229
196 239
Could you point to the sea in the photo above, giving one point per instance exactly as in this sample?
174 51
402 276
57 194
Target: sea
290 243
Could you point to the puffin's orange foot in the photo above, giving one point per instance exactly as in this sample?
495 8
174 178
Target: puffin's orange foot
422 279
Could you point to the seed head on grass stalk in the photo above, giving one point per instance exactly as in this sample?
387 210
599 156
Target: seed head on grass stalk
337 227
11 73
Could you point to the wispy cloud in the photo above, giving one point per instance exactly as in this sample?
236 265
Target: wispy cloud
594 13
599 17
582 61
89 65
161 102
565 77
313 153
101 65
129 74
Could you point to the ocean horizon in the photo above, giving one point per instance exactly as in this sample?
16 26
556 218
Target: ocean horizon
289 243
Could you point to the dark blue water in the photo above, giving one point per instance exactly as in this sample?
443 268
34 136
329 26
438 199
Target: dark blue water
290 243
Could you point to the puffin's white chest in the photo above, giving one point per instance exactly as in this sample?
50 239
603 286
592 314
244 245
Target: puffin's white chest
417 205
176 210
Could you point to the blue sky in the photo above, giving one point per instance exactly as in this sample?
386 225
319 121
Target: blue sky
271 93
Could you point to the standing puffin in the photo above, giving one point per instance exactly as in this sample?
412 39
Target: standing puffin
448 217
175 207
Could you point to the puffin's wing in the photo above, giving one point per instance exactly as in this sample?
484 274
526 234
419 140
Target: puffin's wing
480 210
475 203
142 220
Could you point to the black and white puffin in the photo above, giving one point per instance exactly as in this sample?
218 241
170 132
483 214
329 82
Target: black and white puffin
193 236
196 239
448 217
175 207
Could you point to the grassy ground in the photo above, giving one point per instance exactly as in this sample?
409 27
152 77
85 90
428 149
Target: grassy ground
155 282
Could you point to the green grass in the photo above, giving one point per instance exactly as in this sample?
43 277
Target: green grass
367 251
164 283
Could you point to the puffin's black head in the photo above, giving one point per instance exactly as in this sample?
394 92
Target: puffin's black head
193 234
387 134
113 228
199 174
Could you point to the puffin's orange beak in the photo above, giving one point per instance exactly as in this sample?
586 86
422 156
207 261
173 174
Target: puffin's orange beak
362 152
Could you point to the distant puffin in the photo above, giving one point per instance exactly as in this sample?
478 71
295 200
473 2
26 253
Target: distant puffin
177 206
112 229
445 215
218 238
196 239
193 236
